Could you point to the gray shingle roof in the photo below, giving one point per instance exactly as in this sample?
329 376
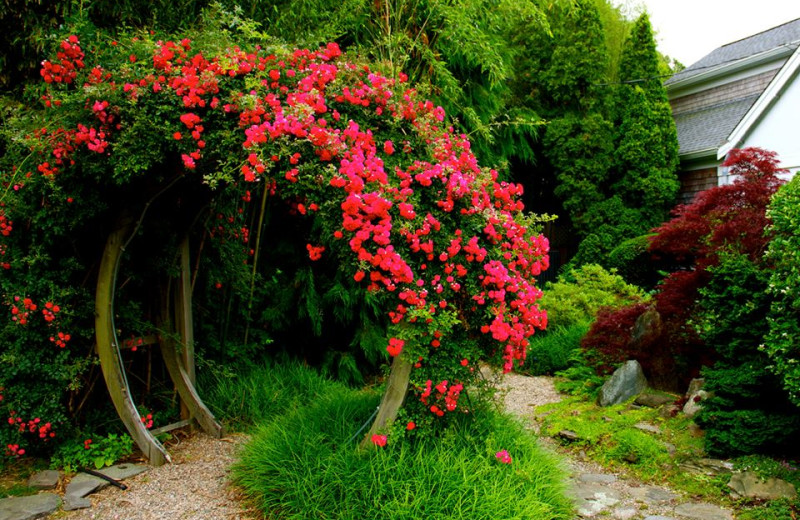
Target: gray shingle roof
710 127
764 41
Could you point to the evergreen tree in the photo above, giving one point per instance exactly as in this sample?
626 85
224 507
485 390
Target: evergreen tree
642 181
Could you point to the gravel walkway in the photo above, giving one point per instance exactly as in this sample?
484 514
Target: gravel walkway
194 487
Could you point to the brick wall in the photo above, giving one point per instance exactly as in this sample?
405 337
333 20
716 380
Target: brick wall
736 90
695 181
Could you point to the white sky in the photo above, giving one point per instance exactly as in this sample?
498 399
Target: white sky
687 30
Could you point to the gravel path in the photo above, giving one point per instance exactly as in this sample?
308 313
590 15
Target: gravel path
194 487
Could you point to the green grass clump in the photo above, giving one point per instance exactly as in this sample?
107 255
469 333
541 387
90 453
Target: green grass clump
256 394
307 465
554 349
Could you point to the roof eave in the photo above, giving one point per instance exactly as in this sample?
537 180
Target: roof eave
761 105
732 67
707 153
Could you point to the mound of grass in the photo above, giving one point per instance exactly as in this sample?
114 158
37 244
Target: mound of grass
257 394
307 465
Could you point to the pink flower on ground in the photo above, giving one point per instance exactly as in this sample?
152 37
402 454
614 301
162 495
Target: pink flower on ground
379 440
503 456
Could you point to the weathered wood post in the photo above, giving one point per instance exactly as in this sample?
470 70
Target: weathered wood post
108 345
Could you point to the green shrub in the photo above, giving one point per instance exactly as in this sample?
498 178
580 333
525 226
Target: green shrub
634 263
784 286
313 452
95 452
554 350
580 293
749 411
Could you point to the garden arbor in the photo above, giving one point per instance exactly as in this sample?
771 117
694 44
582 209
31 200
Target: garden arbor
385 189
175 318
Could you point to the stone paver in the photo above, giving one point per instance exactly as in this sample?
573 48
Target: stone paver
702 511
28 508
47 479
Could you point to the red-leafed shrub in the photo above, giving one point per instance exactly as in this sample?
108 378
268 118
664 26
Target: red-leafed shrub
724 219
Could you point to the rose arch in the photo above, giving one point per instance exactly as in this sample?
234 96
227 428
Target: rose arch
390 192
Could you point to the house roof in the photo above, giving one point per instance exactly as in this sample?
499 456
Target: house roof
709 127
780 36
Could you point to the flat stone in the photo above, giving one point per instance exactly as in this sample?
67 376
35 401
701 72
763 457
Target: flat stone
597 478
47 479
653 495
749 485
652 400
710 467
83 484
703 511
71 504
28 508
592 499
659 517
624 513
123 471
647 427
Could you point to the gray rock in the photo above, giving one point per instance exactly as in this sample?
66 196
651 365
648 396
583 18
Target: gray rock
47 479
647 328
695 385
624 513
695 395
123 471
72 504
647 427
710 467
83 484
654 400
568 435
28 508
592 499
626 382
748 485
703 511
658 517
597 478
653 495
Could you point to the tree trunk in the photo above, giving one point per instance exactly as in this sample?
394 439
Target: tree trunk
393 397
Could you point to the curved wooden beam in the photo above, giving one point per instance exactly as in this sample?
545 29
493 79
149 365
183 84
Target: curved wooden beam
108 346
180 365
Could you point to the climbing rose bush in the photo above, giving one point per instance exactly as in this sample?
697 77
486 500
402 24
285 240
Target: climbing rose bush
392 193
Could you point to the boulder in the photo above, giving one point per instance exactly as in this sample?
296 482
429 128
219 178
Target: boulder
695 395
626 382
748 485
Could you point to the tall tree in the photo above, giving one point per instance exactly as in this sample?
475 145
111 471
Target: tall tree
643 182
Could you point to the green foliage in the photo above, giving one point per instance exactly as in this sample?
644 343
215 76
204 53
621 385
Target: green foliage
749 411
610 436
580 293
634 263
554 350
96 452
782 342
251 395
312 451
579 148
